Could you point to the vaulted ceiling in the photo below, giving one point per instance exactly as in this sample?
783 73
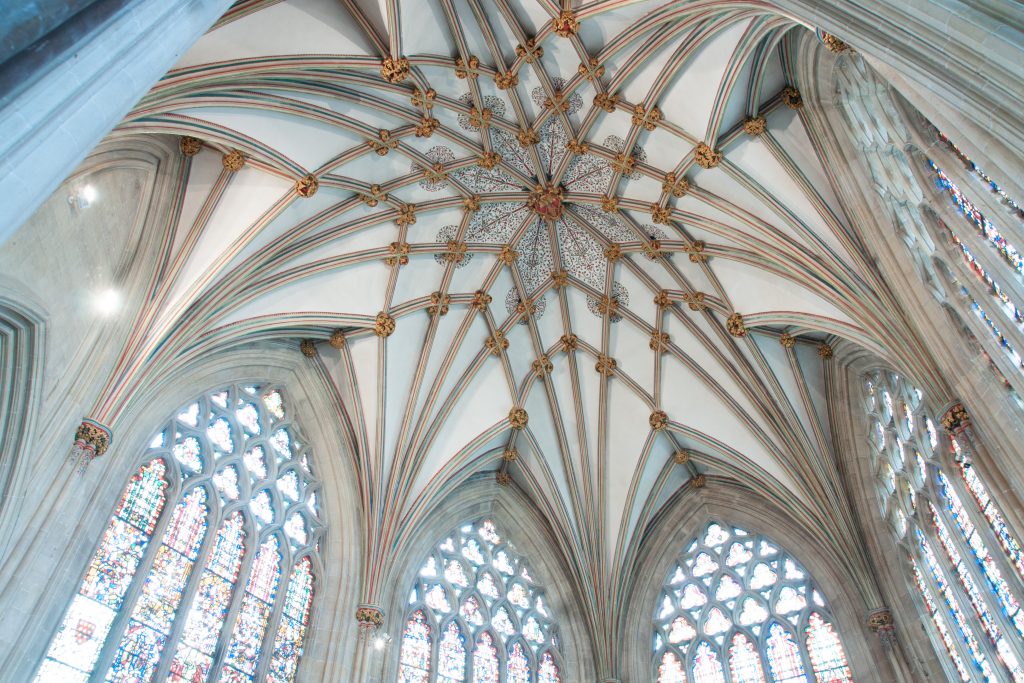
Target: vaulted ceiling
514 204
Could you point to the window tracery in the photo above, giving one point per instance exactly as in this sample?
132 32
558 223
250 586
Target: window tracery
228 479
738 602
476 614
963 558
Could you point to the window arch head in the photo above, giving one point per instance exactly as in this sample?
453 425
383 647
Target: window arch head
207 566
736 604
476 612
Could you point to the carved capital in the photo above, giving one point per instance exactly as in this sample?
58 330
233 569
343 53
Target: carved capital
92 438
369 616
956 419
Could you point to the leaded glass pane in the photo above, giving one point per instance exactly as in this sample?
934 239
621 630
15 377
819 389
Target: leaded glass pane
504 631
212 443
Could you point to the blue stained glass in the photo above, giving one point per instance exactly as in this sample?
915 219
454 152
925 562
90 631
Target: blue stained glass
995 518
139 651
292 630
243 652
940 624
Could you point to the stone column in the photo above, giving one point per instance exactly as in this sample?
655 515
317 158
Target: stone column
370 618
55 121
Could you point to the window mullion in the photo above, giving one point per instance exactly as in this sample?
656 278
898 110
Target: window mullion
173 495
972 619
235 604
276 609
214 520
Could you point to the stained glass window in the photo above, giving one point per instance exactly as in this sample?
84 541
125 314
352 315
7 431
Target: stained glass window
206 450
736 602
964 561
478 597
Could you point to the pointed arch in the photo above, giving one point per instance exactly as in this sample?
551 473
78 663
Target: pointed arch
229 585
489 611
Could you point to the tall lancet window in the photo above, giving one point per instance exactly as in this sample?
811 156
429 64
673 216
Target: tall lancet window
737 607
477 615
206 569
962 556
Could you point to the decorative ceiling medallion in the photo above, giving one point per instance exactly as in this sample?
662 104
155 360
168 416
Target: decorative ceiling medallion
787 340
489 160
610 204
609 305
662 299
307 187
510 455
613 252
515 305
677 187
570 342
508 255
233 161
439 304
496 343
471 203
606 365
755 125
464 69
706 157
695 301
394 70
660 214
528 137
546 202
422 100
566 25
190 146
559 279
791 96
681 457
506 80
530 52
606 101
308 348
337 339
734 324
658 420
385 144
481 300
592 69
426 127
384 325
698 481
648 120
659 341
518 418
399 254
375 197
825 351
577 147
503 478
478 117
543 366
406 215
696 252
570 104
